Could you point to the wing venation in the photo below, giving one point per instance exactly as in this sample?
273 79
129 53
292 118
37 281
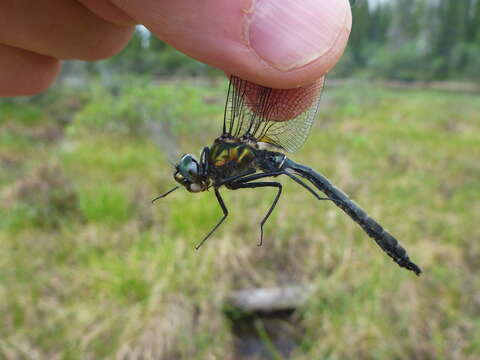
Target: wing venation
282 117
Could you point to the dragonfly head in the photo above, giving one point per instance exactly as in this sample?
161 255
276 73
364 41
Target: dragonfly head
188 174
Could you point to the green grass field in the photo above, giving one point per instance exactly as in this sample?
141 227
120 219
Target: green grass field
89 269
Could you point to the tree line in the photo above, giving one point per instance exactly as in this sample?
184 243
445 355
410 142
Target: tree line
415 40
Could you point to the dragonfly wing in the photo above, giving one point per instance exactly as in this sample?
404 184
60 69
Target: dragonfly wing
282 117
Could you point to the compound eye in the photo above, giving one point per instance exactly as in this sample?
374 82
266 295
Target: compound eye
192 168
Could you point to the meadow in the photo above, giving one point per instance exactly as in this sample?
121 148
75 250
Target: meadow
90 269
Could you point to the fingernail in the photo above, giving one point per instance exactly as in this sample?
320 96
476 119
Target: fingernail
289 34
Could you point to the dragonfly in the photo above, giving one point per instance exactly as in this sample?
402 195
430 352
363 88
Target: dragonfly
260 125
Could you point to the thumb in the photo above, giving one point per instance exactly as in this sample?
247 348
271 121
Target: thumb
275 43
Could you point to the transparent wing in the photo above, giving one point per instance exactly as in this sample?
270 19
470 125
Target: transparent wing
282 117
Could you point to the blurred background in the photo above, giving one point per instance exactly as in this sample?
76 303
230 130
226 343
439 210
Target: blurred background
90 269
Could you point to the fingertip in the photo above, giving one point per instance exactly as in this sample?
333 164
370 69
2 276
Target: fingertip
61 29
289 34
23 73
296 44
45 76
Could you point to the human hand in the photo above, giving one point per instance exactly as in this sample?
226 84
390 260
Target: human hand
276 43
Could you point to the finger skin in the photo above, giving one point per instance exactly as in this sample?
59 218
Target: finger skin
216 32
61 29
25 73
106 10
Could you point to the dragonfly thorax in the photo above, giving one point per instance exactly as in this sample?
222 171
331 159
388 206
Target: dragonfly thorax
188 174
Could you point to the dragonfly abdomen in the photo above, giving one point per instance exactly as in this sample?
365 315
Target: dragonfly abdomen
382 237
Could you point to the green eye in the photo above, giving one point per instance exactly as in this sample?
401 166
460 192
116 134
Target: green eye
188 167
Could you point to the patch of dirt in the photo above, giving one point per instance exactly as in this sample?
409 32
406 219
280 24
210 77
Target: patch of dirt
49 133
47 191
10 160
46 133
158 339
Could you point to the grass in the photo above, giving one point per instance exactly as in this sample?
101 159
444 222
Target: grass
90 269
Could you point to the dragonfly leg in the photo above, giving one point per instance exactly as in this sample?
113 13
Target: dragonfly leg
204 168
253 185
300 182
225 214
243 179
237 177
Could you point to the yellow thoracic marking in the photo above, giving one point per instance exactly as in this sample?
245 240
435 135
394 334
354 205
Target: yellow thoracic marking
236 153
244 153
222 158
